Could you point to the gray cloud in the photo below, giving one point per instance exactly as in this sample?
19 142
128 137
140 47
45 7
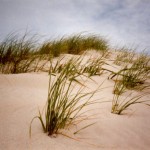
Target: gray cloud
124 22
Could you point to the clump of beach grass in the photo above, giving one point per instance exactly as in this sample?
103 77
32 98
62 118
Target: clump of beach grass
75 44
63 107
135 75
120 103
94 66
131 78
18 54
125 56
75 66
72 68
70 65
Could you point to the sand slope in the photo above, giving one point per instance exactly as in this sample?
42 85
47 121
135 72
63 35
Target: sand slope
22 94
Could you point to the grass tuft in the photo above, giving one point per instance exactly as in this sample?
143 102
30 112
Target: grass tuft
125 56
135 75
63 107
18 54
120 104
75 44
94 66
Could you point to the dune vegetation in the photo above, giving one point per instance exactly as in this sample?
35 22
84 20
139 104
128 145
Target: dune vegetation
24 54
20 54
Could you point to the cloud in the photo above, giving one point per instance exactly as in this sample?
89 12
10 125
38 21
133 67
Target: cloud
124 22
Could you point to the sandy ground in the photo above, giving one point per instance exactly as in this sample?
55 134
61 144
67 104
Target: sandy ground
22 94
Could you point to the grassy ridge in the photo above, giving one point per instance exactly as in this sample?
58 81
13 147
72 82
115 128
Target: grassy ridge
18 54
73 45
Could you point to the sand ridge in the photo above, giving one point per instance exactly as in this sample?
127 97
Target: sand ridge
22 94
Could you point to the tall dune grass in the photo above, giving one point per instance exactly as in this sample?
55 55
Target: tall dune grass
63 107
75 44
135 75
18 54
131 77
13 50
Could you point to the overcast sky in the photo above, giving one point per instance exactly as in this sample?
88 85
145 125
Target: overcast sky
123 22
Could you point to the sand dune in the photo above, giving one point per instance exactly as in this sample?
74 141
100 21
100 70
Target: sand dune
22 94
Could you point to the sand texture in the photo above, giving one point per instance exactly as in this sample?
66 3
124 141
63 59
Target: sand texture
22 94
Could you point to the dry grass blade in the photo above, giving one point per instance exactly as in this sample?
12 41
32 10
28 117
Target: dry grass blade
84 128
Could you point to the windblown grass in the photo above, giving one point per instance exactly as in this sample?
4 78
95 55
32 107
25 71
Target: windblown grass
120 104
71 66
74 45
76 66
136 74
94 66
125 56
132 77
63 108
18 55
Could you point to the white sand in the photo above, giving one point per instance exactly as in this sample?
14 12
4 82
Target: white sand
22 94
